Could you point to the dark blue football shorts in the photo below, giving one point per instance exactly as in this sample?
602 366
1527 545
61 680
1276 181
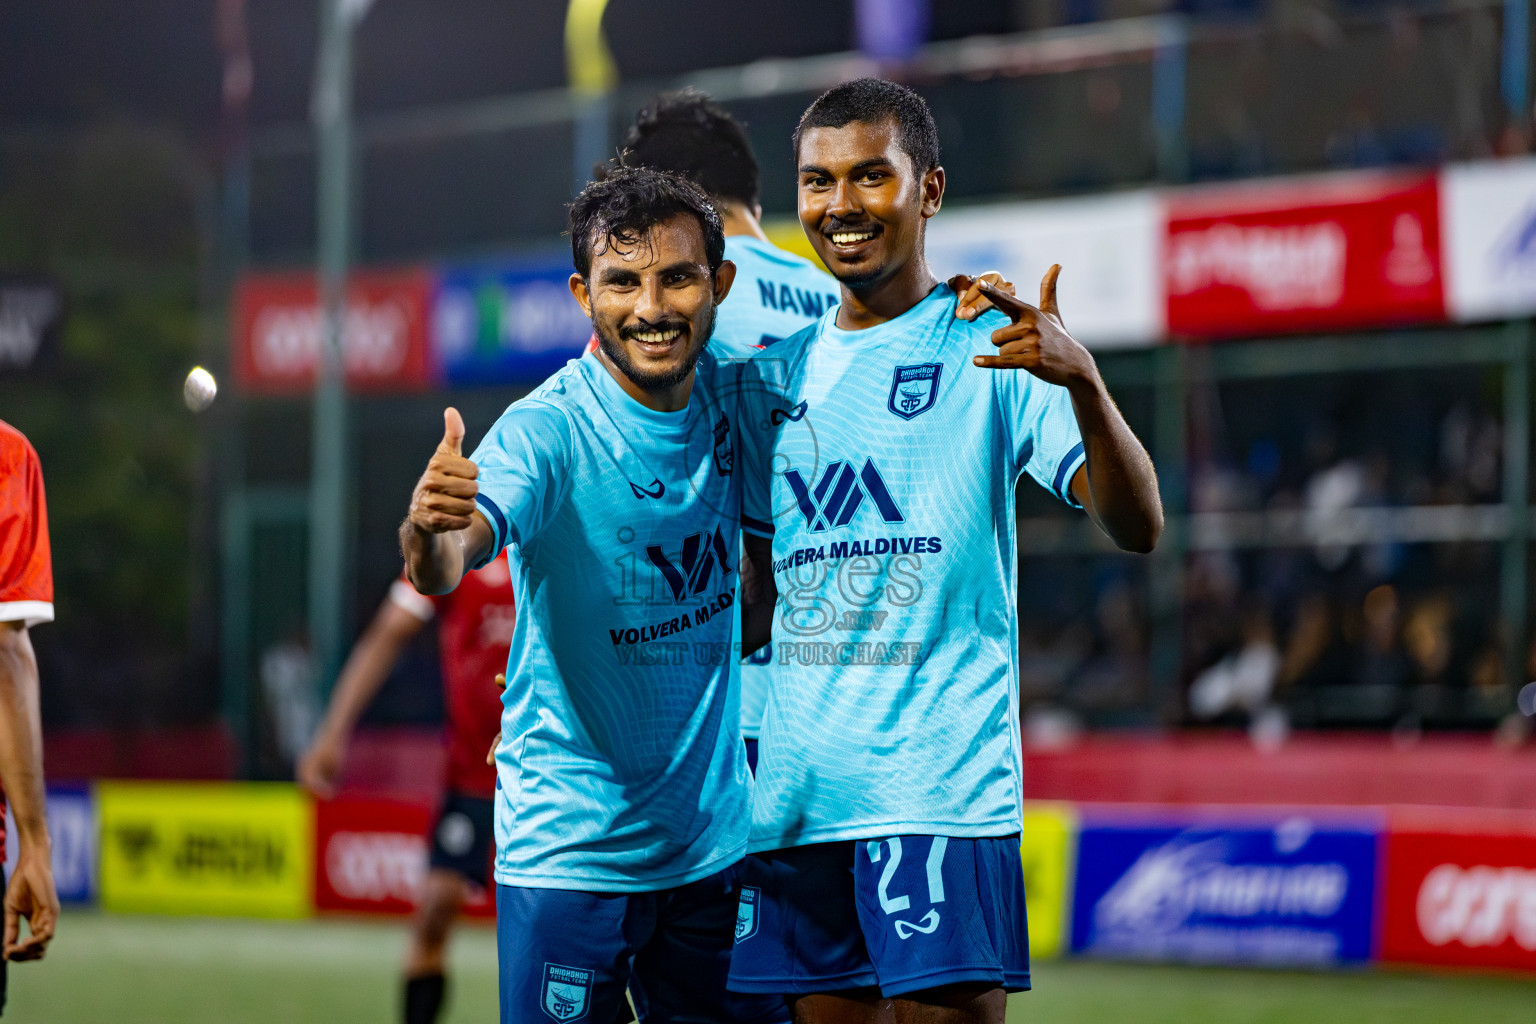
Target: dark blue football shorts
462 837
568 955
901 913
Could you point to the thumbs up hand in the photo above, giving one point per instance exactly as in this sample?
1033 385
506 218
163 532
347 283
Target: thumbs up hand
444 498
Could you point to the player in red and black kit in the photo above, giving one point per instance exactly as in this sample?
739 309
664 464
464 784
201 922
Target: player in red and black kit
26 599
475 624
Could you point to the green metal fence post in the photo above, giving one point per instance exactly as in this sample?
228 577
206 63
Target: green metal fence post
328 517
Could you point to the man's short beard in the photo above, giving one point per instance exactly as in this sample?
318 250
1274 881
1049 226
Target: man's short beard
654 381
864 279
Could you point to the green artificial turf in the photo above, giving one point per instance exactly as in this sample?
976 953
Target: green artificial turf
128 970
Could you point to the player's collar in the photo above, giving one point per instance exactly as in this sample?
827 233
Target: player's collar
928 308
621 403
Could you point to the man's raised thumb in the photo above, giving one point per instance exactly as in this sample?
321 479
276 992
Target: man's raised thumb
453 432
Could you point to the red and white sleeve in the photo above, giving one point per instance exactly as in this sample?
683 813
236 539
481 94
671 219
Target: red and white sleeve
26 563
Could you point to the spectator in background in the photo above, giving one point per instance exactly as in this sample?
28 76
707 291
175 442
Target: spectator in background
26 599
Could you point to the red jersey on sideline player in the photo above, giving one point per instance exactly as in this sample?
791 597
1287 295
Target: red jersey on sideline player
474 637
26 561
26 599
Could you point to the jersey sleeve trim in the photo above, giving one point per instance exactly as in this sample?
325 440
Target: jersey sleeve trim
406 597
756 527
498 522
1065 470
28 613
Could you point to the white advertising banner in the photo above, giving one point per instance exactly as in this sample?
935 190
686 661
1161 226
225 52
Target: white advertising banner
1488 220
1109 248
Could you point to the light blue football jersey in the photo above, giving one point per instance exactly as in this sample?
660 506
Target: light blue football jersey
883 465
620 767
776 294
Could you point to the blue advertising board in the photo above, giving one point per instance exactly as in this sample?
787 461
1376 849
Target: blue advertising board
72 829
509 322
1288 891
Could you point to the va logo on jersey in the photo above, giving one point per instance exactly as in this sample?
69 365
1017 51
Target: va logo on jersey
701 553
746 912
914 389
567 992
725 455
840 493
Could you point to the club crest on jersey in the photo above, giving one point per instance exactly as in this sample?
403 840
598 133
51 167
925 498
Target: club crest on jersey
725 455
746 912
840 493
914 389
567 992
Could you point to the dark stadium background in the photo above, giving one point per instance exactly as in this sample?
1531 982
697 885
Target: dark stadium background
111 154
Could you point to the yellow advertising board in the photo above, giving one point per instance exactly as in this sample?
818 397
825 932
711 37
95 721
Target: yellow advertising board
1048 845
244 849
786 233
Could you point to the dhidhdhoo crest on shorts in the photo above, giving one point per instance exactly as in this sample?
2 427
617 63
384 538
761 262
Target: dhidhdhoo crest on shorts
567 992
746 912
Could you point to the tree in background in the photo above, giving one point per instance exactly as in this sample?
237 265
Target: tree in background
111 215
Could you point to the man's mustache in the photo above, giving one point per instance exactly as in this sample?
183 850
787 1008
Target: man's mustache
833 224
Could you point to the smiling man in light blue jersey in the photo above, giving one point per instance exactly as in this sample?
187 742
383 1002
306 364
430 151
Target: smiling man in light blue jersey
880 449
623 794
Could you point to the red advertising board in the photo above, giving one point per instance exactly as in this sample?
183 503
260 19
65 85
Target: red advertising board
276 331
371 857
1461 895
1347 251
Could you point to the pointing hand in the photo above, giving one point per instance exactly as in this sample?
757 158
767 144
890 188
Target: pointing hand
1036 340
444 499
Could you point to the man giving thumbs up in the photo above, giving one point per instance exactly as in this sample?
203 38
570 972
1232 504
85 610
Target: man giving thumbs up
441 536
622 787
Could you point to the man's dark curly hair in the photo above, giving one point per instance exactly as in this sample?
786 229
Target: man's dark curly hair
688 133
872 101
622 208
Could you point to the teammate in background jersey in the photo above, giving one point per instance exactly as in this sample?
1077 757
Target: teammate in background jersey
474 635
26 599
622 800
880 457
776 293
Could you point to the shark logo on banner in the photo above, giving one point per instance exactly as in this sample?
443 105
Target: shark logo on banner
567 992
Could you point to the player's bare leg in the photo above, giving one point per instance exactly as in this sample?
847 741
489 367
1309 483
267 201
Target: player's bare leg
442 895
952 1004
863 1006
